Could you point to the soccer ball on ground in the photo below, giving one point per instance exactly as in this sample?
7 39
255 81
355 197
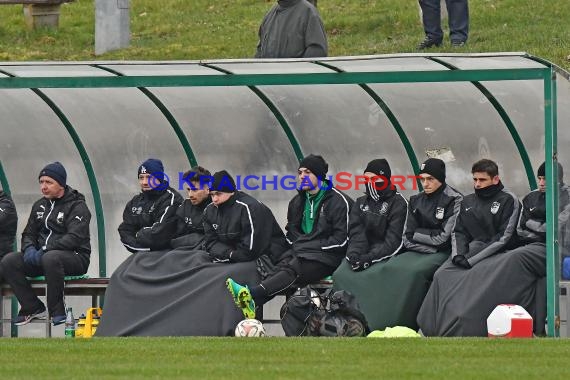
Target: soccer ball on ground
250 327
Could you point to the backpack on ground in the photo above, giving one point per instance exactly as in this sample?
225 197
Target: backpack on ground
307 312
297 310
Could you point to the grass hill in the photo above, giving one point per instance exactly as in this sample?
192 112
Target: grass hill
208 29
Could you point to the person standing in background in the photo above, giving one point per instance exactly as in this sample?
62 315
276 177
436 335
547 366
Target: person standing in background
292 29
458 12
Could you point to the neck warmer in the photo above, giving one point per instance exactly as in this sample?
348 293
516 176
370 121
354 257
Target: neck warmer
378 195
489 191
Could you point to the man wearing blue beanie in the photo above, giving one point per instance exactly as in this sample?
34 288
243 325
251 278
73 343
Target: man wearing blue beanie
55 243
149 219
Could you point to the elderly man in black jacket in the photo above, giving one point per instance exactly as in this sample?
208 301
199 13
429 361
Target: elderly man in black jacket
55 243
317 231
149 219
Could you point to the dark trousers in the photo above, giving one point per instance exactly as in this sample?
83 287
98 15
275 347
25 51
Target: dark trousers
295 271
458 13
55 266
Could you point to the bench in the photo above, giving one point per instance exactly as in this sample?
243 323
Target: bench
39 13
93 287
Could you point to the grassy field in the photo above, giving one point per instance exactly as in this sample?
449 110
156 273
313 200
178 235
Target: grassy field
207 29
284 358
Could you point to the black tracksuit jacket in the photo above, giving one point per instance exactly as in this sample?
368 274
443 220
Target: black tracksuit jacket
431 218
189 225
376 227
328 241
532 223
149 220
8 223
242 229
59 224
486 225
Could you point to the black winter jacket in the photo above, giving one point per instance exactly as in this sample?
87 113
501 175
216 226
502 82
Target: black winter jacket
59 224
376 227
189 225
532 223
8 223
328 241
149 220
485 226
242 229
431 218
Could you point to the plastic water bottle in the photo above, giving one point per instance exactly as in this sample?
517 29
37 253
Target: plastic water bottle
69 324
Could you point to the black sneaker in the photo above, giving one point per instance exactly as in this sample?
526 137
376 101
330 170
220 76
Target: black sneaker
57 320
457 44
427 43
22 320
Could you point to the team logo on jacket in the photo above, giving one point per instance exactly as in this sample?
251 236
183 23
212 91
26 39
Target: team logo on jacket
188 221
151 209
215 226
136 210
439 212
384 208
40 214
364 208
59 217
495 207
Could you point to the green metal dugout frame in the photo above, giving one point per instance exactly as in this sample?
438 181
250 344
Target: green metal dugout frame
547 75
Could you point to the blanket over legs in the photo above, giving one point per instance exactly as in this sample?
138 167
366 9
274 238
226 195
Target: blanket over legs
173 293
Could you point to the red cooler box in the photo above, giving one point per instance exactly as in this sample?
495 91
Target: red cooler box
509 321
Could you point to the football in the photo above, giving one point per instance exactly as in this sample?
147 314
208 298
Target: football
250 327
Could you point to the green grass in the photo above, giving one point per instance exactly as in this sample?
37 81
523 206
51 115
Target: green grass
208 29
284 358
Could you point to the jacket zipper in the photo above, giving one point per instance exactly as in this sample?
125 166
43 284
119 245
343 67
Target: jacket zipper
46 224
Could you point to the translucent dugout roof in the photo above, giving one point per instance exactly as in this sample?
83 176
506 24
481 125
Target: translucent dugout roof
102 134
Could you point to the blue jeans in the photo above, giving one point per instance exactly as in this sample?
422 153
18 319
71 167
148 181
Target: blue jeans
458 12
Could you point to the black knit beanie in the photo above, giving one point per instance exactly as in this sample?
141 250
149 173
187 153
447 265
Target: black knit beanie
223 182
379 167
541 172
56 171
434 167
316 164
